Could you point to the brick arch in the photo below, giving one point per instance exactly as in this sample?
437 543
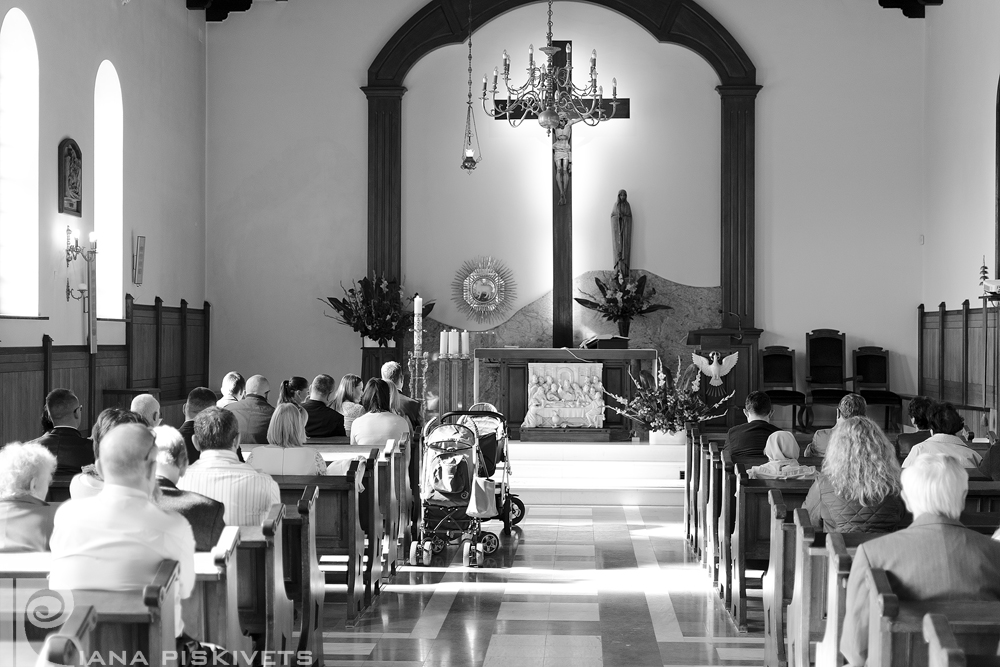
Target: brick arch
682 22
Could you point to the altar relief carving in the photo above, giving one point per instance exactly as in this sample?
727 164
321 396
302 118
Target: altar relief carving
566 395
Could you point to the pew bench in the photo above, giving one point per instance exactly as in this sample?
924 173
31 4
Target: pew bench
304 581
943 648
806 612
72 644
265 611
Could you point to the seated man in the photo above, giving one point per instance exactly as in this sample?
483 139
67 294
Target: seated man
147 406
851 405
89 482
199 399
25 517
247 493
233 386
72 450
204 514
408 407
749 439
935 558
253 412
116 540
324 421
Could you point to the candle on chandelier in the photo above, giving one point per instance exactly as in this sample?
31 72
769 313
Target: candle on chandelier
531 56
569 55
484 86
93 240
443 349
614 87
593 59
494 78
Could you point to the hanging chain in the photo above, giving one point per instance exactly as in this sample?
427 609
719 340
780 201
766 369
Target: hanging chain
549 35
470 54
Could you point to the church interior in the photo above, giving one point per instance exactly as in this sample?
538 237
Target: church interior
791 167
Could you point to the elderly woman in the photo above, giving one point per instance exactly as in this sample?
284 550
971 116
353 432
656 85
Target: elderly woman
858 489
25 518
945 423
379 423
284 453
347 400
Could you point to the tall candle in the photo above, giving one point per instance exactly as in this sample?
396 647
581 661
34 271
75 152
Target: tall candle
453 342
418 324
465 343
444 343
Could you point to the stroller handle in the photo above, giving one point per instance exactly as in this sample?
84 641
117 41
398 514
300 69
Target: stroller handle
473 413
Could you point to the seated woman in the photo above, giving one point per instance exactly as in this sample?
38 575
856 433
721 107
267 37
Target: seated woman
284 453
945 424
379 423
858 489
782 452
347 400
917 409
89 482
293 390
25 518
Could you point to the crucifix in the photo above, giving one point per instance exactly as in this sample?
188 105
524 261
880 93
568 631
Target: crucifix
562 208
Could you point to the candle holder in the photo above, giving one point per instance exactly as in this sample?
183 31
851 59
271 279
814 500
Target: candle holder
79 295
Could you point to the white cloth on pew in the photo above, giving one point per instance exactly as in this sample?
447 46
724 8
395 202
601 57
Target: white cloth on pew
116 540
247 493
949 445
340 466
277 460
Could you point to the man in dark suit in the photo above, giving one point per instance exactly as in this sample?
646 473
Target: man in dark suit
324 421
749 439
253 412
199 399
72 450
205 515
935 558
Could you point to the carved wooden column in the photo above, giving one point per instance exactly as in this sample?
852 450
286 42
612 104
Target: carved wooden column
385 167
738 204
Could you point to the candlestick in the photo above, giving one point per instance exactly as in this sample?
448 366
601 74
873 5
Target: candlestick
443 351
465 343
453 343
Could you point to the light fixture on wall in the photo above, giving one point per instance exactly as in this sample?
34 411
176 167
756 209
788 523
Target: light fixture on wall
73 248
85 292
80 294
471 154
549 92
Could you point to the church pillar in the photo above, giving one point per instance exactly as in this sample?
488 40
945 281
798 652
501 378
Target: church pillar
738 205
385 166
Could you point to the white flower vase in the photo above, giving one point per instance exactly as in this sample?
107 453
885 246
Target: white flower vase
667 438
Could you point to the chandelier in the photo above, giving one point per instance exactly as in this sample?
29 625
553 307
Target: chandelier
549 92
471 154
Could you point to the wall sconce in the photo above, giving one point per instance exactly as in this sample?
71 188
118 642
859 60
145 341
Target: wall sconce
73 249
80 294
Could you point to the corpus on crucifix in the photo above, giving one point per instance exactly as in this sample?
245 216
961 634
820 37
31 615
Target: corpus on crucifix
562 204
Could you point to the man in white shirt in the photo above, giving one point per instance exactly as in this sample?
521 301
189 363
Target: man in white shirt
247 493
116 540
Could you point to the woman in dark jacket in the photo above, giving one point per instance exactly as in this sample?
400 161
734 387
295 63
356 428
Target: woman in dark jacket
858 489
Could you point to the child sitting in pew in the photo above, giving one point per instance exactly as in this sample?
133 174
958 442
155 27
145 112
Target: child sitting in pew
782 452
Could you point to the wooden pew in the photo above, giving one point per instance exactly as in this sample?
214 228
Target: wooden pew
130 623
944 650
72 644
211 614
692 476
896 627
806 621
712 509
264 608
752 532
340 541
304 581
704 471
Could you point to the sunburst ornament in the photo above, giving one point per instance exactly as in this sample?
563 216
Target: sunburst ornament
484 289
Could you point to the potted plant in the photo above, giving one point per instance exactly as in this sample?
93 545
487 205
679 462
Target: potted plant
375 308
622 299
664 405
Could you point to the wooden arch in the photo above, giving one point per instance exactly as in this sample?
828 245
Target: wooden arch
682 22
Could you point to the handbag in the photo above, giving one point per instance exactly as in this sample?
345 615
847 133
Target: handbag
483 504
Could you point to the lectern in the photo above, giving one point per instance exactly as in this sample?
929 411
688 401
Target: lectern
742 379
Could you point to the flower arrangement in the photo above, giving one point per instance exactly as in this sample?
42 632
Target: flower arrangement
664 404
374 307
622 299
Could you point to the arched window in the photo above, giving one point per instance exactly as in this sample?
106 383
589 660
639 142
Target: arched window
109 130
18 166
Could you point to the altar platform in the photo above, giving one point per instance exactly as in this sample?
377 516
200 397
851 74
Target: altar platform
580 473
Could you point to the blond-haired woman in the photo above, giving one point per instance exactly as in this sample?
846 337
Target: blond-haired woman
347 400
284 453
858 489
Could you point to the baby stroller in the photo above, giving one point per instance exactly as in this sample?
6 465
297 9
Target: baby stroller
492 428
450 459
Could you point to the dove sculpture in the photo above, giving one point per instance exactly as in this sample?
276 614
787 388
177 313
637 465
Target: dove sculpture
716 368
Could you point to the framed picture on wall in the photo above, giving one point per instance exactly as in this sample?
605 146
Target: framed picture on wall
70 178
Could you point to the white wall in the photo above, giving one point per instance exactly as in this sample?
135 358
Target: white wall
963 67
158 50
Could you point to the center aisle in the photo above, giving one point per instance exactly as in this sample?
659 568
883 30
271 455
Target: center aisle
608 586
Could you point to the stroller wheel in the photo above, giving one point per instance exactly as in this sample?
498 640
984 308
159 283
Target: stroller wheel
438 544
428 552
516 510
414 551
489 542
466 553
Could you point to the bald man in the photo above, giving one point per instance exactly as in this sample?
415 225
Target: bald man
115 540
147 406
253 412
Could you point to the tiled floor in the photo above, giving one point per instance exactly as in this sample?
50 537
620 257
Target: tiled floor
572 586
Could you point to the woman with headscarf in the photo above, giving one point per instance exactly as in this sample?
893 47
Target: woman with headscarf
782 452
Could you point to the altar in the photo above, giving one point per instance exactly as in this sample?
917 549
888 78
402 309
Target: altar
501 377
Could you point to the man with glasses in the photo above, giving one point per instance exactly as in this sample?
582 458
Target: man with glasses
71 449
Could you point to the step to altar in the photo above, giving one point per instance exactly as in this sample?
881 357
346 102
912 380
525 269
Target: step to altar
597 473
